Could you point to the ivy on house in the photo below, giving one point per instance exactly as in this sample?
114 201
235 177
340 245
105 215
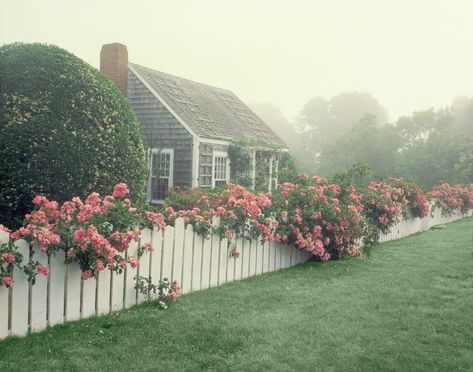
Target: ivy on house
241 164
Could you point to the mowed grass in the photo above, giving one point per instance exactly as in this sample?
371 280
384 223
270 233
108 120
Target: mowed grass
407 307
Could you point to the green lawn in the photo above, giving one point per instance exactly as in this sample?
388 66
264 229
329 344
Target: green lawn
407 307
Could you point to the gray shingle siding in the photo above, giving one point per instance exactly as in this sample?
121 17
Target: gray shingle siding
160 129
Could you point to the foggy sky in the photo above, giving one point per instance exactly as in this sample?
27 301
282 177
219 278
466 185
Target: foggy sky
410 55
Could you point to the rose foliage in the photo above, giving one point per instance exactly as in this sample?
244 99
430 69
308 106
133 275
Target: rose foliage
326 219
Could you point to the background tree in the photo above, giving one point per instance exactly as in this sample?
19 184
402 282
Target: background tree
462 110
321 120
65 130
441 157
365 143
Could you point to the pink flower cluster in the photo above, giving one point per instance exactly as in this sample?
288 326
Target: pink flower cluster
95 232
319 217
174 292
238 211
417 204
325 219
383 204
452 197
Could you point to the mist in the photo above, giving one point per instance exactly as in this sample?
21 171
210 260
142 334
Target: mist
410 55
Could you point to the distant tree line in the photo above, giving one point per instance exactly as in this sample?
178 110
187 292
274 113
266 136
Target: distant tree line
329 136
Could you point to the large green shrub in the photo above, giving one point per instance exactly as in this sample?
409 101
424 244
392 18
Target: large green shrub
65 130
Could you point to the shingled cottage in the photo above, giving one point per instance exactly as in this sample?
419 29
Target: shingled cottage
187 127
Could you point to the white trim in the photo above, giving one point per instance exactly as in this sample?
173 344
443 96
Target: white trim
195 162
253 170
214 141
169 151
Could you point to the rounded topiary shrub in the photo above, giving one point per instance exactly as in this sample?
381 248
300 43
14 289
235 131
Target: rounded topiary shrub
65 130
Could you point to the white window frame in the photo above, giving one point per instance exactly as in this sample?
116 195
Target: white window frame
221 154
153 152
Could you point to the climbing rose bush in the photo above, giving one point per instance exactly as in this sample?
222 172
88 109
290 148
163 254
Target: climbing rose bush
452 197
10 258
326 219
416 201
240 212
95 232
383 204
320 217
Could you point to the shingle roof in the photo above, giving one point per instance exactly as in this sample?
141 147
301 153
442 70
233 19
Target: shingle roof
209 111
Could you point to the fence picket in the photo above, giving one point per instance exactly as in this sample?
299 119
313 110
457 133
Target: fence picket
231 262
103 292
56 288
206 260
39 296
222 261
245 257
252 247
187 260
264 257
4 303
3 312
238 265
213 264
197 262
178 254
73 292
117 291
167 252
155 256
19 303
143 269
130 281
89 288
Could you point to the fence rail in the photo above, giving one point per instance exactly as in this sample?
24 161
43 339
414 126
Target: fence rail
181 254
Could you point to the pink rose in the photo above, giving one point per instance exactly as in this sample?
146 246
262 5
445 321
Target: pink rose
100 266
43 270
7 281
148 247
134 262
120 189
87 275
4 228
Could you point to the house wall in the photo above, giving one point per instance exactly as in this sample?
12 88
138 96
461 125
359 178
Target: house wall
160 129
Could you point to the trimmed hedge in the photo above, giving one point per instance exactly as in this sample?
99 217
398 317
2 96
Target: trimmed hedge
65 130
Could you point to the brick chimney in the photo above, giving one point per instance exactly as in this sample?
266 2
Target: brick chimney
114 64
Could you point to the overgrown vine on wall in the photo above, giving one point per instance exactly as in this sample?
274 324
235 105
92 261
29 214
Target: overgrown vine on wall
241 159
240 164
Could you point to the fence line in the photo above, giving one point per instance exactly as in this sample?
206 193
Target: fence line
198 263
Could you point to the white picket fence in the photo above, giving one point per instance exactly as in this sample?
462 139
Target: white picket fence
197 263
413 225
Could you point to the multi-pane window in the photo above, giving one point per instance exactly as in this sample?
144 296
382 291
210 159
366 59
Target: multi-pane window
161 174
220 171
206 168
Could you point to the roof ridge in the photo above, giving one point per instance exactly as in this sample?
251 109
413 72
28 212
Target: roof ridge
181 78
